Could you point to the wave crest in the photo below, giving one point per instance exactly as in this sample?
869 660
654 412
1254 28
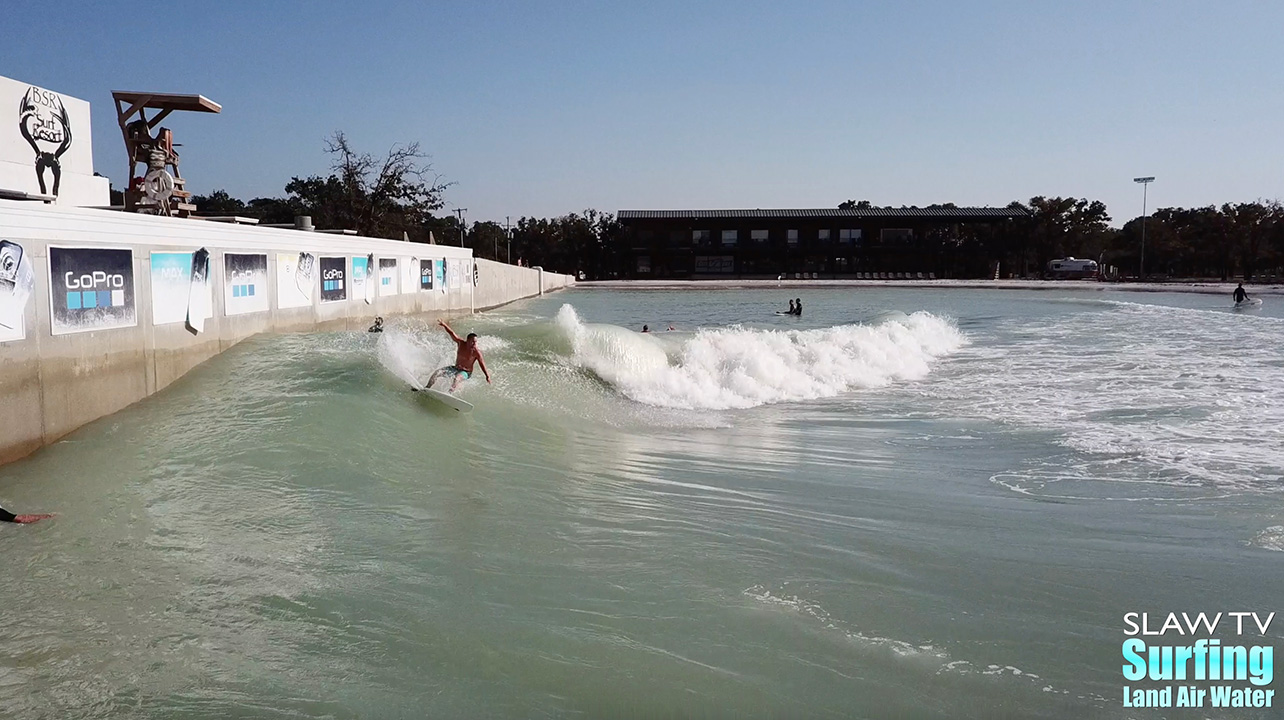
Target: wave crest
736 367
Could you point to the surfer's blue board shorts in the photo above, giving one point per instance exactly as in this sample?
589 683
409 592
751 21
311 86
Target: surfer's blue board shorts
454 370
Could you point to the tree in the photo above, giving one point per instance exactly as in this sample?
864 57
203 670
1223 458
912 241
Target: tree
854 205
587 242
377 197
218 202
1059 226
488 240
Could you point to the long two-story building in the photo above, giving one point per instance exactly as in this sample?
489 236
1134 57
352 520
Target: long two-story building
826 243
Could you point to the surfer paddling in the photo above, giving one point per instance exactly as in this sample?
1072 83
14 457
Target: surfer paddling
6 516
466 353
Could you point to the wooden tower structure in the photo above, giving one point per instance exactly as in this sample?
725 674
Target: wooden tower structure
158 189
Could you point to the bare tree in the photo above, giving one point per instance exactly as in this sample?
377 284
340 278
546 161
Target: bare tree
378 197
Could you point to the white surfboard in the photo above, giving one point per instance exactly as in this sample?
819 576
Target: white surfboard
445 399
1250 302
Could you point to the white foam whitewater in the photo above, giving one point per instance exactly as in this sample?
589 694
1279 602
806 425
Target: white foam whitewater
1146 396
736 367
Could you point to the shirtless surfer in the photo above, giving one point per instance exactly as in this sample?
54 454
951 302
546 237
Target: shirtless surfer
466 354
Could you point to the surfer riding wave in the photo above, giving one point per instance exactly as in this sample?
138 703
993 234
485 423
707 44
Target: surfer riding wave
466 355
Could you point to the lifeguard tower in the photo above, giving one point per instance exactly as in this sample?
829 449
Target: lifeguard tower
159 189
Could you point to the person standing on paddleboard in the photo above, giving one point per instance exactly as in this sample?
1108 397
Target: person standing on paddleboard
1241 295
466 353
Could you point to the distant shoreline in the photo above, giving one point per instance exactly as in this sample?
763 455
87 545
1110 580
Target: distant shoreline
1205 288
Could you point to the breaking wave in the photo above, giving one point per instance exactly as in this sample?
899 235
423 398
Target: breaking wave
736 367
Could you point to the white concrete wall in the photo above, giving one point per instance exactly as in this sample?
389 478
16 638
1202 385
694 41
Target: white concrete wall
53 381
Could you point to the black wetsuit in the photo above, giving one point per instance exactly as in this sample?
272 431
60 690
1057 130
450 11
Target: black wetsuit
798 310
6 516
1240 295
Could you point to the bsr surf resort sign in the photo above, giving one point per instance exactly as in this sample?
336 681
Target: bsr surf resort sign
45 146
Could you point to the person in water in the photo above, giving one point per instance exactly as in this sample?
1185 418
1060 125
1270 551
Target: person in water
6 516
378 325
646 328
792 308
1240 293
798 307
466 353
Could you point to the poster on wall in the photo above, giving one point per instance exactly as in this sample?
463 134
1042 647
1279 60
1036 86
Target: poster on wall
387 276
360 266
294 273
16 280
200 298
90 289
409 275
175 286
452 273
244 284
370 279
425 274
439 267
334 273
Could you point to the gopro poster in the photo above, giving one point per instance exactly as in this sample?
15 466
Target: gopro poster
90 289
334 277
244 283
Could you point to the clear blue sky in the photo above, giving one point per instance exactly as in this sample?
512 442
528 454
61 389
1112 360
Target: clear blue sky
547 108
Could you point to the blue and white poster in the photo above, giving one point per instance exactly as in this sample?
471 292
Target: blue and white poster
334 274
16 281
172 287
90 289
360 278
244 284
425 274
387 276
440 267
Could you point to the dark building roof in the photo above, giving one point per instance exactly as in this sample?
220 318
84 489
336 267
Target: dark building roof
824 213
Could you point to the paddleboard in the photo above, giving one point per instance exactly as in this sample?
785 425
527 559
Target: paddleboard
444 398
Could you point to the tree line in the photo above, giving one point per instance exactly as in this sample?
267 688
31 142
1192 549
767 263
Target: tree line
399 196
1244 240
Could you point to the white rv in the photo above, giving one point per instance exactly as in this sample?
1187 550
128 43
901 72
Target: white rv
1072 269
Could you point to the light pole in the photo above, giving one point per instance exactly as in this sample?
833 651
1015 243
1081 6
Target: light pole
1145 181
460 212
508 232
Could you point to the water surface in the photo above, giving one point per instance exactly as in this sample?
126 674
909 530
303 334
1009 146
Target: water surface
907 503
